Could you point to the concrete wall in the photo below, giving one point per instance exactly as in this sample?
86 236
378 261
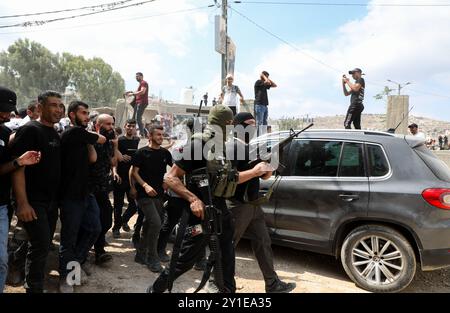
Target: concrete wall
397 110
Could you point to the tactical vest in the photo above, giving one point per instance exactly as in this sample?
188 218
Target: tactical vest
219 173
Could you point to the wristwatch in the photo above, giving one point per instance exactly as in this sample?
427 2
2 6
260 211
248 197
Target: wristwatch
16 164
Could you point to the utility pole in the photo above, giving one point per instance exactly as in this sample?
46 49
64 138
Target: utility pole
225 56
400 86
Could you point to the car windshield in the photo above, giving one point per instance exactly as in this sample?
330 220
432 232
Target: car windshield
437 166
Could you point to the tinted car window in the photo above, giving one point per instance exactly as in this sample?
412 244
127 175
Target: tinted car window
352 160
315 158
378 165
438 167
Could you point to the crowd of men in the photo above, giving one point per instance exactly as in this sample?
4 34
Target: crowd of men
58 165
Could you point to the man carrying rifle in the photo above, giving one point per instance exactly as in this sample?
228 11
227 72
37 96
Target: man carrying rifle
246 208
210 179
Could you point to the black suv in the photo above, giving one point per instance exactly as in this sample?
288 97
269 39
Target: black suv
379 202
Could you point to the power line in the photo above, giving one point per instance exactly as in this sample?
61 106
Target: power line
286 42
39 23
110 22
69 10
376 83
345 4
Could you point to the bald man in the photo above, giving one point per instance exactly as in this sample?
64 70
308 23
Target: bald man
100 181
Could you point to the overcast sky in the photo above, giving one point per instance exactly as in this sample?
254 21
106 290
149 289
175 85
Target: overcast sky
404 44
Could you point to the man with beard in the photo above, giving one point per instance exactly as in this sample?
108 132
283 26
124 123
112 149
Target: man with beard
100 181
36 186
247 213
128 145
80 215
7 105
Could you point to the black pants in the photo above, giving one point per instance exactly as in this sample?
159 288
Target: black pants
80 227
139 110
354 116
119 196
193 248
39 232
174 210
250 218
106 211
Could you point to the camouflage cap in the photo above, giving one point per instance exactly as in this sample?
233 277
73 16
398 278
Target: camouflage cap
220 115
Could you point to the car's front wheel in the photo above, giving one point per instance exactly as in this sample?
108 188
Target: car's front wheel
378 258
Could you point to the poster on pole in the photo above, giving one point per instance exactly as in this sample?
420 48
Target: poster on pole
220 34
231 56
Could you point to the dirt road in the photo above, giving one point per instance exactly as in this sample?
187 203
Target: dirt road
312 273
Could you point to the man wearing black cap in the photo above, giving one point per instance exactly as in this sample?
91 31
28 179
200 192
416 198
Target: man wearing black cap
36 187
247 213
357 97
7 105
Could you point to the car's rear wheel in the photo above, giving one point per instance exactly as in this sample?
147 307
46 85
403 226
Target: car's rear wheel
378 258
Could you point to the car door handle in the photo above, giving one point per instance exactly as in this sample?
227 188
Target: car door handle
349 198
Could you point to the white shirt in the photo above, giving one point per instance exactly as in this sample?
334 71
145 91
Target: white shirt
420 135
15 123
230 95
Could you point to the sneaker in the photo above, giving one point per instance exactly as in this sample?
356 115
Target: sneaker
126 228
164 257
116 233
281 287
103 258
155 267
64 287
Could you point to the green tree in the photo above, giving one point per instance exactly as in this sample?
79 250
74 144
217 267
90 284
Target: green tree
29 68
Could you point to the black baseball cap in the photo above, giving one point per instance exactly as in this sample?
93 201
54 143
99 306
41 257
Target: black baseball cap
413 125
355 70
8 100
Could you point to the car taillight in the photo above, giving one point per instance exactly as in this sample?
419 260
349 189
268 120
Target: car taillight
439 198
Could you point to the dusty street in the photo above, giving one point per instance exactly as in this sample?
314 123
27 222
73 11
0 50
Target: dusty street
312 272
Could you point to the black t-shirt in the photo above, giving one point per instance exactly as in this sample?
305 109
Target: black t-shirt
5 180
100 179
261 93
249 190
42 179
357 98
75 162
152 164
128 147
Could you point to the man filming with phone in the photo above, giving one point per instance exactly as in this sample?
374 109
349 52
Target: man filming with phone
357 97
